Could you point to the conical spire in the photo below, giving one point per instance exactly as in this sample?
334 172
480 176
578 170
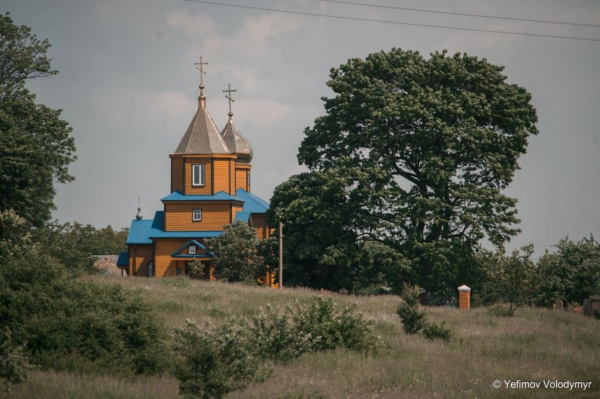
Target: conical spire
236 143
202 136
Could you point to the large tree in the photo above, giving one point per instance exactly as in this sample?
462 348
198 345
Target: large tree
35 144
439 140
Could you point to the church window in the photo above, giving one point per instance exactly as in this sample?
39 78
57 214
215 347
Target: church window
198 175
248 179
197 215
192 250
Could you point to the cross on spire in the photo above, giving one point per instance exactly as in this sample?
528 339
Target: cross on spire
201 69
228 96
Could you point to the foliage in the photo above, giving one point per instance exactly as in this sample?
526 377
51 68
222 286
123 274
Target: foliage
236 254
322 246
413 153
196 269
73 243
413 319
433 331
511 280
15 238
212 363
68 324
13 363
35 144
570 274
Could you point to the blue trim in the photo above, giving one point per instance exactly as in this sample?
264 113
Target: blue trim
194 242
220 196
123 259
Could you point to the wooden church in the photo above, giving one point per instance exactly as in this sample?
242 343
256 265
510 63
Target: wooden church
210 188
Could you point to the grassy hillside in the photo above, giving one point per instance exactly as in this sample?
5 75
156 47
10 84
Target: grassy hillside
535 345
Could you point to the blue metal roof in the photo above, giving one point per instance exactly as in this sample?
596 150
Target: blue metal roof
123 259
242 217
220 196
142 231
139 232
252 203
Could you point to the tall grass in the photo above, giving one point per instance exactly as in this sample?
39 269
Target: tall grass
534 345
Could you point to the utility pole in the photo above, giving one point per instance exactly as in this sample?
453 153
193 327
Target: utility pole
280 255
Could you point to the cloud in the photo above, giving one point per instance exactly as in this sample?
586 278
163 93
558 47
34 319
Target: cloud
255 35
128 106
193 25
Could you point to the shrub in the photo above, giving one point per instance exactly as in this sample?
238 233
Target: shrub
213 363
196 270
510 280
329 328
236 254
432 331
13 363
65 323
597 314
413 319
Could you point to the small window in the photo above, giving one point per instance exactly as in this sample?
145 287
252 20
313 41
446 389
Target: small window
248 179
197 215
197 175
192 250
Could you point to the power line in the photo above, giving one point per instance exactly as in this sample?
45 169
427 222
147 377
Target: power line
541 21
393 22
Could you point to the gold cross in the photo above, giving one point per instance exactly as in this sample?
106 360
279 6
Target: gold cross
200 68
231 100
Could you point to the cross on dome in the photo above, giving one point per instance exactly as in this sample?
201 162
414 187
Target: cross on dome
228 96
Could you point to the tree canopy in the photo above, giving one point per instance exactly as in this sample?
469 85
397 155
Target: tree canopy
426 147
35 144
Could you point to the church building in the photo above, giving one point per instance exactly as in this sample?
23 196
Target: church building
210 188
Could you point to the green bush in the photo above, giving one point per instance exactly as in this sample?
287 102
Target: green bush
413 319
237 258
433 331
212 363
13 363
65 323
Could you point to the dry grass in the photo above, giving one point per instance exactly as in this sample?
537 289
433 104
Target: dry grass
534 345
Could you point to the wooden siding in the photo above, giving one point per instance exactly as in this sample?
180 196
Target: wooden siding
260 224
241 178
206 189
164 264
178 216
235 209
139 257
222 176
176 174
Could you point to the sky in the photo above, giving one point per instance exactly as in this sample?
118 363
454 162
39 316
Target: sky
128 87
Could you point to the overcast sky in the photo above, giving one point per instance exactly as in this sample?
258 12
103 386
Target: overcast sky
128 87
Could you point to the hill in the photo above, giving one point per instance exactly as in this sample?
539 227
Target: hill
535 345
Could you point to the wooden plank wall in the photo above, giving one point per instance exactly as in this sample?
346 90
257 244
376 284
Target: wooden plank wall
177 174
178 216
241 179
206 189
222 176
164 265
143 255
